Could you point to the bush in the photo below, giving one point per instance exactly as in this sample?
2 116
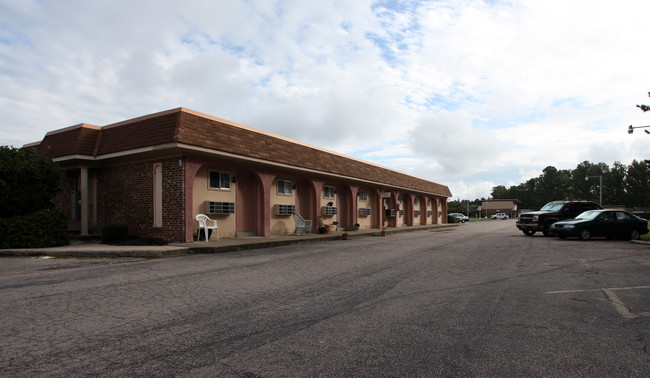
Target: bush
40 229
112 233
28 181
451 219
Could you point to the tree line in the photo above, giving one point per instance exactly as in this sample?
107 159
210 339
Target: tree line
623 185
627 185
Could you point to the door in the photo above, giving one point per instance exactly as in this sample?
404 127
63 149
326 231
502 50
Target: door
303 201
247 204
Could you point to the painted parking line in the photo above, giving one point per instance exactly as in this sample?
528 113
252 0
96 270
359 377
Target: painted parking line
616 301
619 305
587 290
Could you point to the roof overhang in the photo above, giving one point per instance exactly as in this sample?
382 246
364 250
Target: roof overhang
181 149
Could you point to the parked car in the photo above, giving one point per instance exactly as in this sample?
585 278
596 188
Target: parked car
500 216
541 220
607 223
460 216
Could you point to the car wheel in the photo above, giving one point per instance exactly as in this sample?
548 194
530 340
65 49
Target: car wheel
634 235
584 234
547 231
529 232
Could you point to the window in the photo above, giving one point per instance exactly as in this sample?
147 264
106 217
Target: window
415 201
284 187
363 195
328 191
219 180
622 216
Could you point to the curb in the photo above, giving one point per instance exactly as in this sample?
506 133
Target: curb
180 249
99 250
642 242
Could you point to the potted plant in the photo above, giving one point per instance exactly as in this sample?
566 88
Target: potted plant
336 225
357 226
321 225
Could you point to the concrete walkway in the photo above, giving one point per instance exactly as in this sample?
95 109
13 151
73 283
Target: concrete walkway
88 249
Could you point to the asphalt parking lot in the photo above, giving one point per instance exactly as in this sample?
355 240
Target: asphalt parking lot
480 299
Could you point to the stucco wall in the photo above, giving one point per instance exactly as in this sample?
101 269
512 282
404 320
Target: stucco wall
202 192
366 222
282 224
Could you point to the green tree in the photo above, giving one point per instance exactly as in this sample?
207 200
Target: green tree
636 183
28 181
581 189
614 185
500 192
553 184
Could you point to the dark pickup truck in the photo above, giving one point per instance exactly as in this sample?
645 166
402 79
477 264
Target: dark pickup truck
541 220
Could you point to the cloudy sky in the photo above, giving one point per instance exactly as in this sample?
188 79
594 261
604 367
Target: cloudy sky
471 94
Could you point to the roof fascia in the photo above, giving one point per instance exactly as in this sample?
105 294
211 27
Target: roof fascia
145 117
74 127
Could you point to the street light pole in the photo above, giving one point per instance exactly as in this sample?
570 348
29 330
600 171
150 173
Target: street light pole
601 185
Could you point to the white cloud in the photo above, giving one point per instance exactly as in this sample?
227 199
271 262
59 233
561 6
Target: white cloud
450 142
469 92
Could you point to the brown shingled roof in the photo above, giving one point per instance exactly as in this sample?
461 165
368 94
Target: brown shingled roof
75 140
188 127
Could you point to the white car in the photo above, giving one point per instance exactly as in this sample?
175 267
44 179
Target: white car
460 216
500 216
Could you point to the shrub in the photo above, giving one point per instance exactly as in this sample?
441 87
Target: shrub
40 229
451 219
28 181
114 232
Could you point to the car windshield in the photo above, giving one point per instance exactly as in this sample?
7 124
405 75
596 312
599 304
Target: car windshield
552 206
589 215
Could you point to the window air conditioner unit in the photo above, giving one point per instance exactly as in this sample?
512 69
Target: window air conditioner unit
364 212
285 209
212 207
330 210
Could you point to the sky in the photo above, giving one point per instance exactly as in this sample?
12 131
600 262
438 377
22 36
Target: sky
469 94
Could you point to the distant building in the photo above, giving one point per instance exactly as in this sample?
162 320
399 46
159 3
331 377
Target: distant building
157 172
491 207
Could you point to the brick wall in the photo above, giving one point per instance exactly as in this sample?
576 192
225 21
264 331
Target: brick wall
62 200
125 195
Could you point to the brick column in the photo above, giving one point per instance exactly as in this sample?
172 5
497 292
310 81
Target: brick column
317 189
83 187
266 181
379 204
444 210
354 205
191 167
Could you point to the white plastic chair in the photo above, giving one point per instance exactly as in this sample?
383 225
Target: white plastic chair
301 224
206 223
